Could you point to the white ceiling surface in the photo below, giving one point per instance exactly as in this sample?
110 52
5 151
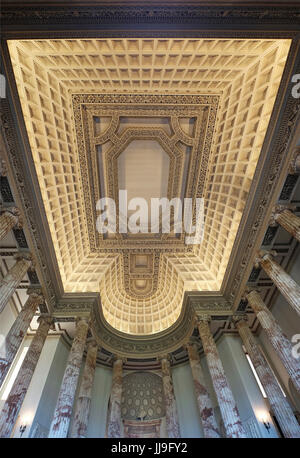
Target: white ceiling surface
143 169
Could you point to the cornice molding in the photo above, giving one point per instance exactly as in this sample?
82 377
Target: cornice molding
144 13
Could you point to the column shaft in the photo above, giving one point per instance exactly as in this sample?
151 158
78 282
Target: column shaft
15 336
279 404
229 411
19 389
172 421
208 420
8 220
63 410
289 222
83 405
114 415
12 280
284 282
278 339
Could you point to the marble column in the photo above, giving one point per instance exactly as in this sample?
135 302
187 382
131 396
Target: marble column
114 412
279 404
13 278
284 282
83 405
208 420
64 406
278 339
287 219
229 411
14 338
19 389
172 421
8 219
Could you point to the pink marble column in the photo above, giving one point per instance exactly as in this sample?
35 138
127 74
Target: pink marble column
19 389
13 278
208 420
279 404
287 219
8 219
278 339
229 411
172 421
14 338
64 406
114 410
284 282
83 405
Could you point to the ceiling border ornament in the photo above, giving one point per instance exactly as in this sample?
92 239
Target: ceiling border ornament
191 14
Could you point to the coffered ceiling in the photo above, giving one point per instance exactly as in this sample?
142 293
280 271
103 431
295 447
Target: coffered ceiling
160 118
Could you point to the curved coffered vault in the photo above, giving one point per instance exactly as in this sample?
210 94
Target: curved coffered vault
206 103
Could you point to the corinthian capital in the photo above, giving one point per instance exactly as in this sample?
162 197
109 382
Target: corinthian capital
3 168
279 208
239 319
295 163
203 318
35 293
263 255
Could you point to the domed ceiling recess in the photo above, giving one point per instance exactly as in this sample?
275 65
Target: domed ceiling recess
160 118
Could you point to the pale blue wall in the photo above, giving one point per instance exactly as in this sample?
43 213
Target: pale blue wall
188 413
247 395
45 410
101 393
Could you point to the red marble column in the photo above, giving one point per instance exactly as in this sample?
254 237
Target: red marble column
19 389
208 420
278 339
83 405
8 219
172 421
229 411
15 336
284 282
279 404
13 278
114 410
64 406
